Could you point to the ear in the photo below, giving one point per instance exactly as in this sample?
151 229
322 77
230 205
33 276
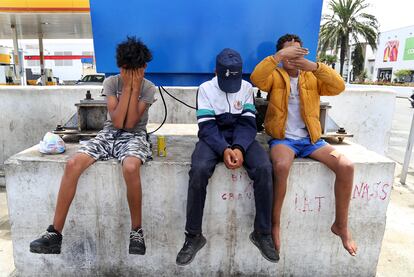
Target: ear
145 66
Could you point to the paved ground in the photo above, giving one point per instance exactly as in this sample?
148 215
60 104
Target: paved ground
401 125
398 246
6 257
397 252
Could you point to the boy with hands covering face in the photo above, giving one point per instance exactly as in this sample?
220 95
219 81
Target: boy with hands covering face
123 137
292 120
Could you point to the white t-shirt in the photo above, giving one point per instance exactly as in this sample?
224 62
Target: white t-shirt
295 127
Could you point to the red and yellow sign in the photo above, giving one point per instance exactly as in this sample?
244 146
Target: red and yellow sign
391 51
44 6
4 55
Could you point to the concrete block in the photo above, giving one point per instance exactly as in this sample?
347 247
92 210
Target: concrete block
98 224
369 110
177 112
368 116
27 113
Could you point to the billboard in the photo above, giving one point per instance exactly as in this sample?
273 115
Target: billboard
391 51
409 49
185 36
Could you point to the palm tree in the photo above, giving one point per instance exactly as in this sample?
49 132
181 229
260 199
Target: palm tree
327 59
347 21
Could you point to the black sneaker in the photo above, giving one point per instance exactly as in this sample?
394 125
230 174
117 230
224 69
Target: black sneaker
192 244
49 242
265 245
136 242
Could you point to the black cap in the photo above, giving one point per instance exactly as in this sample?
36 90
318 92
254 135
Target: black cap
229 70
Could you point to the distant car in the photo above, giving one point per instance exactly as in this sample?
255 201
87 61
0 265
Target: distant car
91 80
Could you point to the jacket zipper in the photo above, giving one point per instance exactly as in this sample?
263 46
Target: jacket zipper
228 102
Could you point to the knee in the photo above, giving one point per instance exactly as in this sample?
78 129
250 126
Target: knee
264 173
264 170
199 174
131 166
265 167
72 166
345 169
200 170
281 167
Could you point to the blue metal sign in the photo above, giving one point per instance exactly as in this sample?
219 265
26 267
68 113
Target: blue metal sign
185 36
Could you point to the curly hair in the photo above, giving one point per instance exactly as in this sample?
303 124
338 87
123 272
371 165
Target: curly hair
132 53
285 38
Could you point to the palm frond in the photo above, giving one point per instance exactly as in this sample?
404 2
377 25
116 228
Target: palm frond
348 20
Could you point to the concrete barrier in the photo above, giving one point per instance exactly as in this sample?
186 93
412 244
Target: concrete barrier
96 233
366 113
177 112
400 91
27 113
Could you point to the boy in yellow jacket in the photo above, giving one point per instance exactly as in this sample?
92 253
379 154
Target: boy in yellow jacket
292 119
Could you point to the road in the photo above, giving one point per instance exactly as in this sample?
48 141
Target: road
401 125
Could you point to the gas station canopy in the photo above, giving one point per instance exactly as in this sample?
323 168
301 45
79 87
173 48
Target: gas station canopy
63 19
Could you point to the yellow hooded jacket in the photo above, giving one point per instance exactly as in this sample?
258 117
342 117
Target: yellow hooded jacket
324 81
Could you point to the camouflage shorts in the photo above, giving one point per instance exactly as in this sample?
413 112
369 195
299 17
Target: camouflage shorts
119 144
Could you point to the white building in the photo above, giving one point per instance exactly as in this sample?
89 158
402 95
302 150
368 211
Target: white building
69 59
395 51
369 61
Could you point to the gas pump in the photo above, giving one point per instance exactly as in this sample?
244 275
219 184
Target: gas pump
49 77
7 70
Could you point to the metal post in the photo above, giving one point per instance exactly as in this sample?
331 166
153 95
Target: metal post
23 78
408 153
42 60
16 52
348 79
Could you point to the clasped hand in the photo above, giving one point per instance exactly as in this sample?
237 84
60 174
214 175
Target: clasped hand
233 158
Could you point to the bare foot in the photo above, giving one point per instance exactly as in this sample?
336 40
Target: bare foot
345 235
276 237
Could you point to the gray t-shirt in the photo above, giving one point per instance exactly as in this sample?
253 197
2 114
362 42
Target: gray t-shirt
113 86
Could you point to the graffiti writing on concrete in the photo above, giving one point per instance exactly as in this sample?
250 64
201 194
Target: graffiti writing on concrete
235 177
365 191
245 194
309 204
237 196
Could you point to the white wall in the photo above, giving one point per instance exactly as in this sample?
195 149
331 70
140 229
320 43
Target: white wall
27 113
366 113
96 232
369 62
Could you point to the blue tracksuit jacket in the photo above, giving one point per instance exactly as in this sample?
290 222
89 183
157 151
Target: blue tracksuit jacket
226 119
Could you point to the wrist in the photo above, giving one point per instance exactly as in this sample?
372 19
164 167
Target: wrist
315 66
278 56
238 147
228 147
